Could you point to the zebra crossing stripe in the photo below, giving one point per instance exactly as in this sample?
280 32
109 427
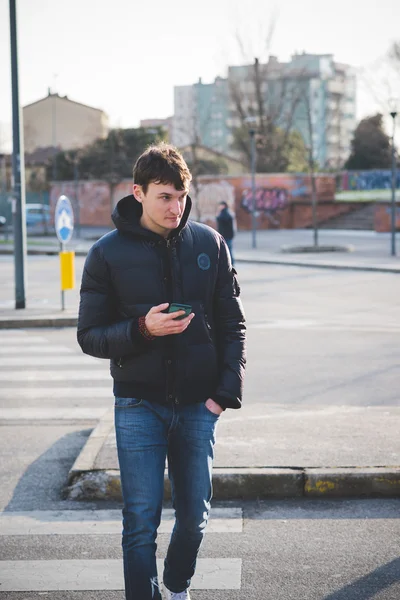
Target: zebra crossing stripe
47 413
59 361
28 349
33 375
65 392
18 336
98 575
103 522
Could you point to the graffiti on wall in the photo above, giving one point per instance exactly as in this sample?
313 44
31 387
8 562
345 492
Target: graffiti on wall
366 185
268 200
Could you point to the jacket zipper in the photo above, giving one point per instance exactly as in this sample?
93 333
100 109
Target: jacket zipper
170 392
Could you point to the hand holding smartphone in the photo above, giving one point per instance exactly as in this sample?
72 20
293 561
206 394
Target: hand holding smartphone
175 307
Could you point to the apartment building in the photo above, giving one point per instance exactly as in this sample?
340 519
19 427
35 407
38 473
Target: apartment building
56 121
311 94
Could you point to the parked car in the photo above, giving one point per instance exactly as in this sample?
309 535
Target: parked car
4 229
37 214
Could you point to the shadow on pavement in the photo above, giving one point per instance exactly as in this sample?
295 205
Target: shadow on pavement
371 584
42 483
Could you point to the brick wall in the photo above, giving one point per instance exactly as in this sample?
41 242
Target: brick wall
283 200
383 217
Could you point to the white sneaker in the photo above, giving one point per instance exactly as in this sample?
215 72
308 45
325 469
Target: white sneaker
176 595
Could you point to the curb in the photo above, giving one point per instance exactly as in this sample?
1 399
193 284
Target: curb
28 322
42 251
268 261
87 482
258 483
336 267
320 249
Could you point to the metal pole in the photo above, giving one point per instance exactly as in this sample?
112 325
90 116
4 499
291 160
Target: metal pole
77 206
253 187
393 206
313 199
18 170
62 249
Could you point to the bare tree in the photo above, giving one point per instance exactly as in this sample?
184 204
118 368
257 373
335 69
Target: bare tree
380 80
191 131
314 150
265 93
311 164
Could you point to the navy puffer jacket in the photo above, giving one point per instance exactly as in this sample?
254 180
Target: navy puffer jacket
131 269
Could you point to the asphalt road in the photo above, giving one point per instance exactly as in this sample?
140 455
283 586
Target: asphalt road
315 338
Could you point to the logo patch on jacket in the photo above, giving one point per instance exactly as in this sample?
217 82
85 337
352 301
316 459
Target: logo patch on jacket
203 261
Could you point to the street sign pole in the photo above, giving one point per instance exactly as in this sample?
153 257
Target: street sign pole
393 202
62 249
64 224
18 171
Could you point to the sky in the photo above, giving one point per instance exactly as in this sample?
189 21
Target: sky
125 56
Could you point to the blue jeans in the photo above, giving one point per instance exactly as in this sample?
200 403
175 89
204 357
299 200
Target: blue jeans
229 243
147 433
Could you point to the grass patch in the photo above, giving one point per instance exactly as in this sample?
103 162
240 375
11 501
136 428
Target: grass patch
47 243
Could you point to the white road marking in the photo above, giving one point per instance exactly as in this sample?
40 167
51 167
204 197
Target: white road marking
45 393
50 413
30 349
85 575
60 375
41 361
21 339
284 324
102 522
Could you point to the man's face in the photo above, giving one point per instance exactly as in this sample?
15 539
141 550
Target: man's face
163 207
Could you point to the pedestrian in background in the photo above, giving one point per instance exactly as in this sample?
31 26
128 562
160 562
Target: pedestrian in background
226 227
174 372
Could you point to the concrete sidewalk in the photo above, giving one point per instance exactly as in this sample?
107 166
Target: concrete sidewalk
266 451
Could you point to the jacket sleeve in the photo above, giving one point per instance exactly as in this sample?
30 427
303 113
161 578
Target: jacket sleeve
230 329
101 332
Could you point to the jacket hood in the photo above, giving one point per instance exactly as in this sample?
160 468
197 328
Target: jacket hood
128 211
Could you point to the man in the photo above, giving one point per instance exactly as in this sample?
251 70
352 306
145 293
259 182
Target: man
225 223
173 376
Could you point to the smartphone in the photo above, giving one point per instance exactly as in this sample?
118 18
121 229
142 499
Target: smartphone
174 307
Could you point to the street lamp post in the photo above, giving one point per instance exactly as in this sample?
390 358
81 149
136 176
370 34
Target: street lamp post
253 187
18 171
252 123
393 114
77 204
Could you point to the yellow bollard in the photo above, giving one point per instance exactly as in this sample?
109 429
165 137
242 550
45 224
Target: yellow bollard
67 270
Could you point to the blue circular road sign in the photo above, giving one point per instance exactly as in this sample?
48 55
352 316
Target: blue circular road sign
64 219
